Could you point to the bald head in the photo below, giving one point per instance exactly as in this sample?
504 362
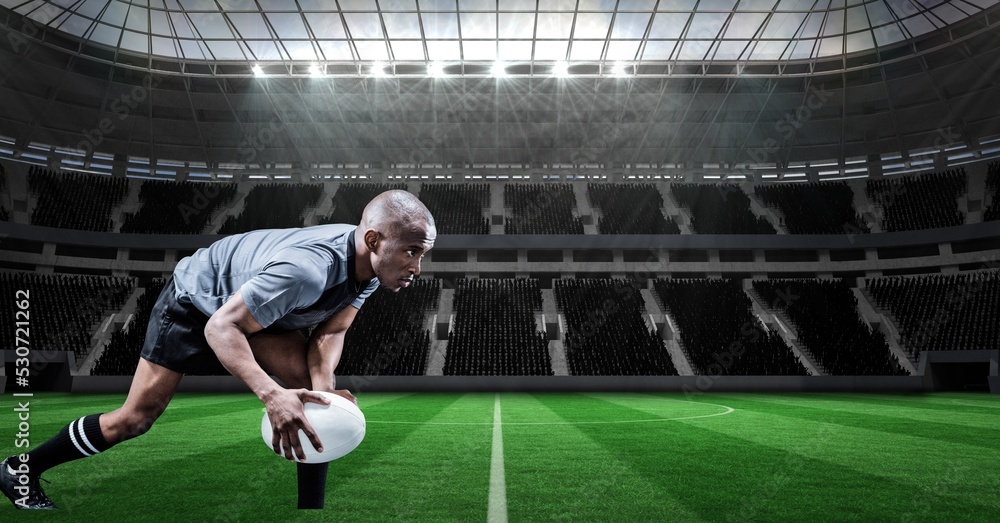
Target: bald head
397 230
395 211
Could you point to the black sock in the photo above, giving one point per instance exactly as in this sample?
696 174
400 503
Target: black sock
79 439
312 484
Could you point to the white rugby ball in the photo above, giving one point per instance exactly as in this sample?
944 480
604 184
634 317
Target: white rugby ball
340 427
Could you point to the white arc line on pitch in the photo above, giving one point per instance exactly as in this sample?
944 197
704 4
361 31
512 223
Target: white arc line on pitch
497 512
729 410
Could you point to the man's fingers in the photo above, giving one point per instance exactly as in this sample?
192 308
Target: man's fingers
311 434
313 397
286 440
346 394
276 440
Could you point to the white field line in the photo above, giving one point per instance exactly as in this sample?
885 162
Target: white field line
497 512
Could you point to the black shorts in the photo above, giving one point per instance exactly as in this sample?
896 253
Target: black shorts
175 336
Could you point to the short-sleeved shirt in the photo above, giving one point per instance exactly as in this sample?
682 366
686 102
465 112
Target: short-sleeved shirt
288 278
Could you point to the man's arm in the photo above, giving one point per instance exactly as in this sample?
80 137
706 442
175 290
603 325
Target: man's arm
326 345
226 333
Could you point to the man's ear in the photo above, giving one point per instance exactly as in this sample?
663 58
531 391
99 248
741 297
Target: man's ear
371 239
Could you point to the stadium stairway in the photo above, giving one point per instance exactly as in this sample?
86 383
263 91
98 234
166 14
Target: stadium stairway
674 210
325 207
864 207
497 208
439 334
668 332
113 320
779 322
130 205
771 214
557 350
584 208
234 209
975 193
885 322
21 202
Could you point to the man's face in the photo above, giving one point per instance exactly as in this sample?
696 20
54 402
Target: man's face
397 255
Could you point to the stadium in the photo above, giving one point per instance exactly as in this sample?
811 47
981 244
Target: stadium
696 260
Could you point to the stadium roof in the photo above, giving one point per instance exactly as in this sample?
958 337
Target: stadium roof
391 34
925 101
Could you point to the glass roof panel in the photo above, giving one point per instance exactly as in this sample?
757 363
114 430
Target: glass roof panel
263 49
398 5
834 23
859 41
437 5
211 25
288 25
744 25
225 49
554 25
444 50
630 25
326 25
768 50
107 35
706 25
515 50
658 50
556 5
592 25
407 50
137 19
511 30
440 25
783 26
164 46
585 49
622 49
372 50
694 49
364 25
135 42
479 50
479 25
402 25
731 49
669 25
336 50
551 50
249 25
516 25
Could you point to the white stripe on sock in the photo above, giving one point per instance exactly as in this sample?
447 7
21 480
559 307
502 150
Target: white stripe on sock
72 436
83 437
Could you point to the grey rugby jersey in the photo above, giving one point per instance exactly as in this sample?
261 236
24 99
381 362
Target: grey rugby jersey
289 278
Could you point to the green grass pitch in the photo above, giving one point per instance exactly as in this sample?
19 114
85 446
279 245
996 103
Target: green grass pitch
566 457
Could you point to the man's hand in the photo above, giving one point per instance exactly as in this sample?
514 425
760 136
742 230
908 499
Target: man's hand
285 409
